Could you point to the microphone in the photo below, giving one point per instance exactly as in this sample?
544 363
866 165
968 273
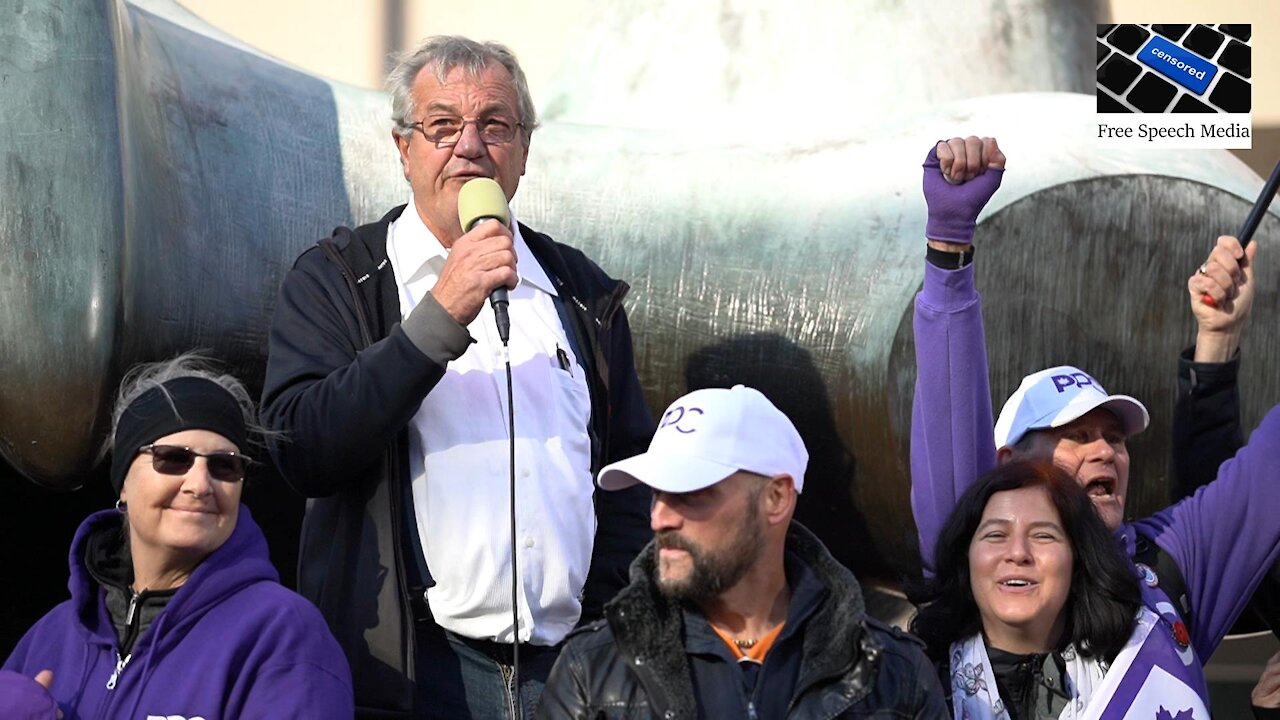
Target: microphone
483 199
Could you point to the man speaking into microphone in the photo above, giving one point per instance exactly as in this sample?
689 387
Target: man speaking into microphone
388 380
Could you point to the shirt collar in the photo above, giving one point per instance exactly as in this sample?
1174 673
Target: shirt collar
420 252
527 266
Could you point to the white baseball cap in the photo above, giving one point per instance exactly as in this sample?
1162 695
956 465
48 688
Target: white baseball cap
1054 397
708 435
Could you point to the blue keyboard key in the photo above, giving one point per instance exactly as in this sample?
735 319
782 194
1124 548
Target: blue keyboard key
1181 66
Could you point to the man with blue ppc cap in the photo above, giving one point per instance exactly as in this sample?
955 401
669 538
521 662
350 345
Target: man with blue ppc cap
1198 561
734 610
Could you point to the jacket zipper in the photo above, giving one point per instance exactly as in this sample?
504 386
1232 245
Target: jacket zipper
120 665
133 607
128 621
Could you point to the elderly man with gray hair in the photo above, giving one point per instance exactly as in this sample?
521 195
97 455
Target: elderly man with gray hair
386 376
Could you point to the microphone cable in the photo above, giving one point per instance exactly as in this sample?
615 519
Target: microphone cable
482 199
516 705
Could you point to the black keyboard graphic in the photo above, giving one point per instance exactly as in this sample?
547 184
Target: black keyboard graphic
1174 68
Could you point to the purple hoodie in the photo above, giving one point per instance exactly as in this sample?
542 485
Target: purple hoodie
232 643
1223 539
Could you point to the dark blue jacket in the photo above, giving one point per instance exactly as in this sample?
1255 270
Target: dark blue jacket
344 379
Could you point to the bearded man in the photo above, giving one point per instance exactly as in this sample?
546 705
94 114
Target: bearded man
734 609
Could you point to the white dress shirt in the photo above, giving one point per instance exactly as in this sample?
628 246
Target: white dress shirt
459 461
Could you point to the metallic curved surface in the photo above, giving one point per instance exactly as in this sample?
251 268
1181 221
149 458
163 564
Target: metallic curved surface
797 270
160 179
782 72
61 220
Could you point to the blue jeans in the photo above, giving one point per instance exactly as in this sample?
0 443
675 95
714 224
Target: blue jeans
464 679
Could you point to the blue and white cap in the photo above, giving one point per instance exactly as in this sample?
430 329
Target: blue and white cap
708 435
1054 397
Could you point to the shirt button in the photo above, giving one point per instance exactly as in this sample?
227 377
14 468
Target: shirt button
525 473
528 542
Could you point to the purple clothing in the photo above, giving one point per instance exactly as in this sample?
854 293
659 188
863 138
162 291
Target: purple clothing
953 209
22 698
952 432
1223 539
232 643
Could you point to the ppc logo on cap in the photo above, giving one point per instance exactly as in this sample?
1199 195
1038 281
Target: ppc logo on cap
1054 397
708 435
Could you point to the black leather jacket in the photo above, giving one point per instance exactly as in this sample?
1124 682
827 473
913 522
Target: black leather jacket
634 664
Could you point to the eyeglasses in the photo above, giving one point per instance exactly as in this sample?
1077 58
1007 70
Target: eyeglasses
223 465
446 131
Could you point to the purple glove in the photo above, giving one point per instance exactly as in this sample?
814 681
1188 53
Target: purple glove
22 698
953 209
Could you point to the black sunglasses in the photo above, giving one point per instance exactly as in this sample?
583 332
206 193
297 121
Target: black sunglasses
223 465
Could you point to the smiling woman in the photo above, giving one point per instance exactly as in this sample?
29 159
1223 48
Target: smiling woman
1032 599
175 609
1020 563
179 490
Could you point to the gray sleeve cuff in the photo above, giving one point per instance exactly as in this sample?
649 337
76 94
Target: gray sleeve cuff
434 332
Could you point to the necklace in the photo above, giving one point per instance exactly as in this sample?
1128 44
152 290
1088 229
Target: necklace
746 644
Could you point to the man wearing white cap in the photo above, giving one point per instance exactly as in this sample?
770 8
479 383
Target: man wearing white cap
734 610
1200 559
1066 396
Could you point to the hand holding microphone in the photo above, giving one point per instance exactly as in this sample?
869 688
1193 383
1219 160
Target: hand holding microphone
482 262
479 200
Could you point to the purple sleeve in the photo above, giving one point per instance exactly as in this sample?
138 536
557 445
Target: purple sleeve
304 673
22 698
300 690
952 441
1225 537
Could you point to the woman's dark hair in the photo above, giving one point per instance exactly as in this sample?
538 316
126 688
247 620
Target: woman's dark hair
1104 593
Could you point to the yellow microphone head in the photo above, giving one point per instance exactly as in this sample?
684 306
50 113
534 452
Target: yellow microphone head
481 199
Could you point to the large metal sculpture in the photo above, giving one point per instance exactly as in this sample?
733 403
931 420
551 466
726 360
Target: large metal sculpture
159 178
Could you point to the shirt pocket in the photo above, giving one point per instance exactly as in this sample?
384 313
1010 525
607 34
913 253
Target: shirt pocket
572 401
